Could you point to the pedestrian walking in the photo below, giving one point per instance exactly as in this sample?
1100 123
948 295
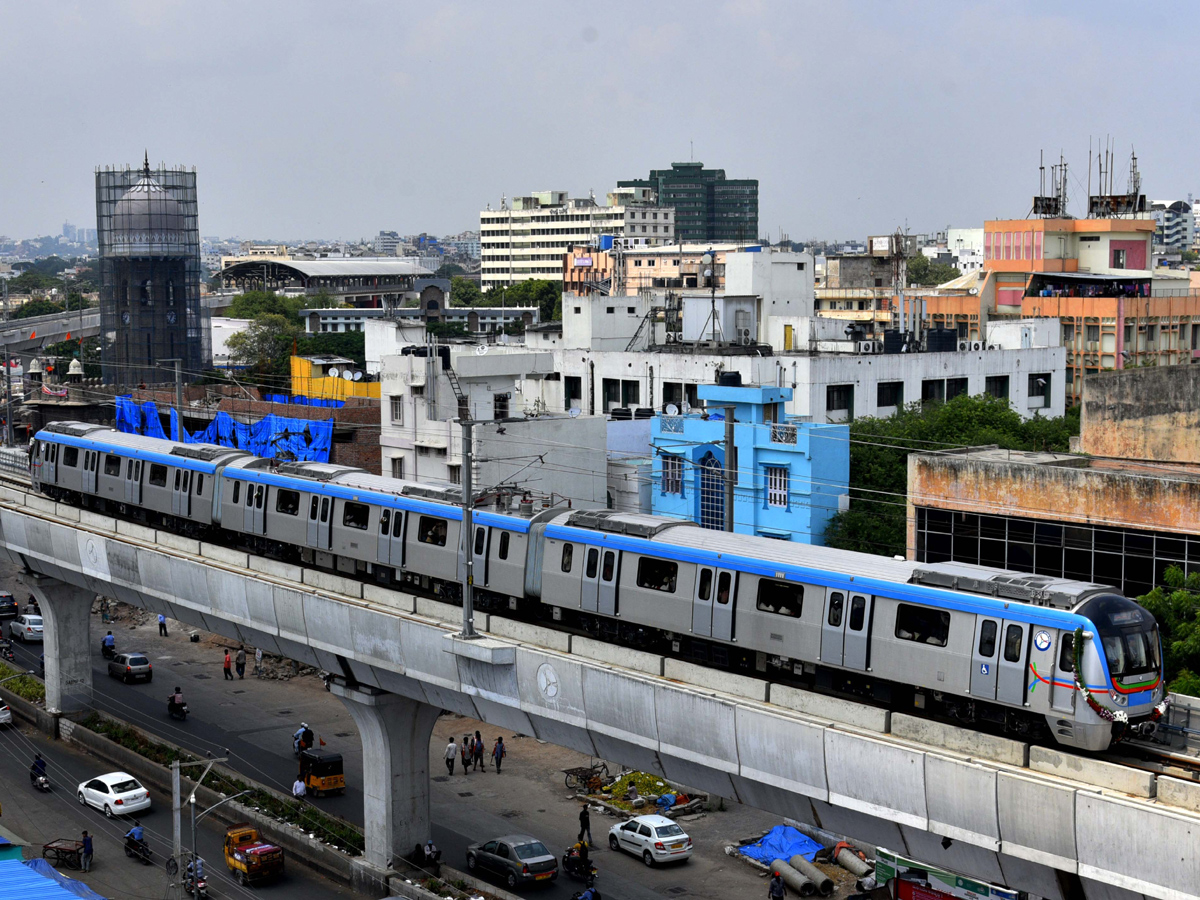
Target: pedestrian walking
498 753
465 750
240 662
298 789
228 666
585 825
258 662
85 854
477 752
451 755
776 890
162 625
104 610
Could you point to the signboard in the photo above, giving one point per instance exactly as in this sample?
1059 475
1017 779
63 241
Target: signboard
583 261
880 246
908 879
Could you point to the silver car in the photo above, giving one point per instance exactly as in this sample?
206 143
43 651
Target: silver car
25 629
516 858
131 667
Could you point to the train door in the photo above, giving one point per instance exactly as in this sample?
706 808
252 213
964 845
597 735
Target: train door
702 603
983 658
50 463
833 628
724 605
856 645
324 524
479 554
610 564
589 597
261 493
129 481
397 539
177 504
185 496
89 471
1014 648
383 549
248 508
1062 686
314 506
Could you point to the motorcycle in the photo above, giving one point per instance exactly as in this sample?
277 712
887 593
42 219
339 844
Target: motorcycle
595 894
177 711
139 850
41 782
6 651
580 868
192 889
108 651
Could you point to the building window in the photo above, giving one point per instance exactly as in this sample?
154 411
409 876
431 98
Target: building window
657 574
418 390
889 393
996 386
1118 259
672 474
398 410
922 625
955 387
839 397
397 466
455 474
777 486
500 406
1039 386
780 598
1068 334
933 391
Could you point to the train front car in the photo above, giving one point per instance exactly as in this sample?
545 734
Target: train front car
1120 681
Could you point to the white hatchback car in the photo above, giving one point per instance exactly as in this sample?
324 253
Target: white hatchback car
656 839
117 794
25 628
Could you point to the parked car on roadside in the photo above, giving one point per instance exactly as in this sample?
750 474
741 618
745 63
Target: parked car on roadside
5 714
656 839
25 629
8 604
515 858
131 667
115 794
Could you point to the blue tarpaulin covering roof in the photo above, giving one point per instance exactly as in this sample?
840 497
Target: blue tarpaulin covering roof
781 842
19 881
135 418
77 888
300 400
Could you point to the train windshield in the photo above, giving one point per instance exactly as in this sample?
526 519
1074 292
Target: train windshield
1127 632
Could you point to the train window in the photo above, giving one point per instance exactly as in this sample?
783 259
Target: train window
987 639
249 496
237 490
324 510
593 563
287 502
568 554
780 598
432 531
837 602
1013 638
356 515
922 625
385 522
480 540
187 480
312 507
858 611
178 475
657 574
1066 653
199 485
129 468
723 584
503 545
71 457
610 565
397 523
705 587
112 465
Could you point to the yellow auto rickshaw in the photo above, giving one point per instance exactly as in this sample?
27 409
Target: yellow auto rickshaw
321 772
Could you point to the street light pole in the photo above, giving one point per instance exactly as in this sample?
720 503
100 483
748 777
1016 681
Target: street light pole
468 529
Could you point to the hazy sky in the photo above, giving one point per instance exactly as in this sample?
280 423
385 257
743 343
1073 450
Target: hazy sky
339 119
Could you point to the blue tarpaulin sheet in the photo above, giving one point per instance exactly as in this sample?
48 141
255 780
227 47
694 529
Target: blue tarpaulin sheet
77 888
300 400
135 418
781 842
20 882
271 436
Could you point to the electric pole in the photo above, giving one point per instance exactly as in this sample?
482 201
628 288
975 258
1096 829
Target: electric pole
730 467
8 429
468 532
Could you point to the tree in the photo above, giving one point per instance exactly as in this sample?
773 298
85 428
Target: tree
253 304
449 270
1176 607
265 347
33 282
32 308
1189 256
350 344
464 292
546 295
879 448
447 329
921 271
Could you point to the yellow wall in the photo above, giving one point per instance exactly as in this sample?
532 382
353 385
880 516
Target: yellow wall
326 388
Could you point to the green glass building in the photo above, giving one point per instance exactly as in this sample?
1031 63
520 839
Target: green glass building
708 206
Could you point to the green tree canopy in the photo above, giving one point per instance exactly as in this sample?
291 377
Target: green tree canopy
350 344
464 292
37 308
253 304
32 282
448 270
879 448
546 295
1176 606
447 329
922 271
265 347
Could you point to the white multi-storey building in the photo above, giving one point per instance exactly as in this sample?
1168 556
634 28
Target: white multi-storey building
528 238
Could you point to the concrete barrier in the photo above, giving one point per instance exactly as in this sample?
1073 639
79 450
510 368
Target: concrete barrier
327 581
961 740
63 511
1092 771
1037 820
45 722
613 655
442 612
853 765
716 680
1177 792
961 800
178 542
392 599
276 568
832 709
133 530
782 752
225 555
45 504
538 635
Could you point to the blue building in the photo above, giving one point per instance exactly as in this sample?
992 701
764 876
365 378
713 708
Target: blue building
792 475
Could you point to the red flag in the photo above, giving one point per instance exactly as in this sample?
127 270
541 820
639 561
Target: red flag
68 335
322 740
32 335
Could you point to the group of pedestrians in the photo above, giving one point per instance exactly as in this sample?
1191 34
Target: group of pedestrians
471 751
238 661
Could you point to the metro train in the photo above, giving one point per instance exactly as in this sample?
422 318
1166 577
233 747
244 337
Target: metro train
986 647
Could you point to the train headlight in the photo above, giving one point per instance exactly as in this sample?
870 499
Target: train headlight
1119 698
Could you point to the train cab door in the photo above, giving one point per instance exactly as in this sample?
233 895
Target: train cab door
1011 675
383 549
724 605
856 644
983 658
49 463
1062 687
610 564
833 628
702 602
589 596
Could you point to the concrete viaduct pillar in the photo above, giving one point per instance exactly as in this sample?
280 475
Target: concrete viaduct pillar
395 741
66 612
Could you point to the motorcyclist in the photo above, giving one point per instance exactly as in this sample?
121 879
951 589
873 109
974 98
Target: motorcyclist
196 868
38 769
108 642
303 738
135 836
175 700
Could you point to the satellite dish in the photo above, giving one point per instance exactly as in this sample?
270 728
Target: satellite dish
481 349
334 372
672 409
687 407
347 375
358 376
573 412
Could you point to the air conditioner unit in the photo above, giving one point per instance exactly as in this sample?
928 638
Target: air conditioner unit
865 346
964 345
744 334
994 347
977 345
746 340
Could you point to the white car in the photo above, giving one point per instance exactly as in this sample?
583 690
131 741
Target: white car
25 629
117 794
5 714
656 839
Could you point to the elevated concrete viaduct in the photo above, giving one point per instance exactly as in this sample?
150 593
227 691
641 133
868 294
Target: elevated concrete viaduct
1054 824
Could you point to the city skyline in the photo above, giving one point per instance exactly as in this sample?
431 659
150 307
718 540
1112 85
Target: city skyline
855 120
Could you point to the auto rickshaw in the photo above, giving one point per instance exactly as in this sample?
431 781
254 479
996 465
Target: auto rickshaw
321 772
